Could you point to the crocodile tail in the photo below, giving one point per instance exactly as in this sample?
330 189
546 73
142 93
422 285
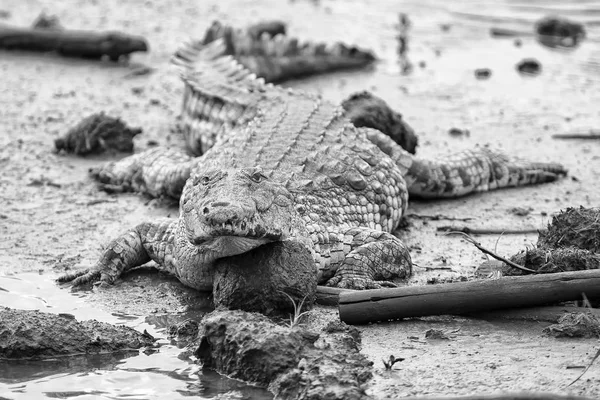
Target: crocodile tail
476 170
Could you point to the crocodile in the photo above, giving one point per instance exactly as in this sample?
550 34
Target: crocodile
282 164
267 50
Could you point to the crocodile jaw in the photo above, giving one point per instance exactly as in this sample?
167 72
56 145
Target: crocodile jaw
225 246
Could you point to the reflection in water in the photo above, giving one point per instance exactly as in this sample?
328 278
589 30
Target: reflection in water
128 375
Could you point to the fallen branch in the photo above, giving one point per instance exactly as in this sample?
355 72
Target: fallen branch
592 135
329 296
71 43
365 306
491 253
485 231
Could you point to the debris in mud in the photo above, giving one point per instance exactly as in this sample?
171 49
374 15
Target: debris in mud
578 325
545 260
184 332
574 227
503 32
456 132
32 334
262 279
591 135
365 109
98 133
554 31
571 243
43 181
293 363
4 14
436 334
483 73
44 21
436 280
529 66
483 231
47 35
391 361
402 29
520 211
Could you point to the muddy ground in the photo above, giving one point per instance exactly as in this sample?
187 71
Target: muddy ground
53 217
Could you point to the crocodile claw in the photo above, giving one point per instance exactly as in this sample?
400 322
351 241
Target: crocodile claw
359 283
81 277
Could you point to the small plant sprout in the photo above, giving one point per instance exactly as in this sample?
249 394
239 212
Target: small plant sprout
298 314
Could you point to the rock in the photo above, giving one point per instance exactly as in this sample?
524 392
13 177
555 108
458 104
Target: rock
368 110
556 31
98 133
33 335
529 66
483 73
456 132
294 363
259 280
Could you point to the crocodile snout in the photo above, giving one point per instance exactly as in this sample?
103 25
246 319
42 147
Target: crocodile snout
218 213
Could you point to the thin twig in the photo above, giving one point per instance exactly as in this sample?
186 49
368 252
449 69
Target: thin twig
586 369
437 217
485 231
470 239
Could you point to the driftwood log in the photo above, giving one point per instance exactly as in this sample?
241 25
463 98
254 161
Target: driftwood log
365 306
71 43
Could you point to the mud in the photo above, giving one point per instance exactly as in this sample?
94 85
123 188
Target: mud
98 133
47 228
270 279
294 362
34 335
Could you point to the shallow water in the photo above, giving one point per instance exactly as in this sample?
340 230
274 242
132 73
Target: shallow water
134 375
515 112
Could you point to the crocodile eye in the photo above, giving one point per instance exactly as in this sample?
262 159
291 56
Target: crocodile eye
204 179
257 176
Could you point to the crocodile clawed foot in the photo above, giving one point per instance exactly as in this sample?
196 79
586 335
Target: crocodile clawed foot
358 283
81 278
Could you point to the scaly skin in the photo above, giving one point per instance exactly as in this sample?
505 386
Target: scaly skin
296 170
266 50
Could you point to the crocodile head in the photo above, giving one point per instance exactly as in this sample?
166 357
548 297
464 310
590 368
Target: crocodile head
229 212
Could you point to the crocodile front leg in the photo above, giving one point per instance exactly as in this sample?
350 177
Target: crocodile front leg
362 258
145 242
156 172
